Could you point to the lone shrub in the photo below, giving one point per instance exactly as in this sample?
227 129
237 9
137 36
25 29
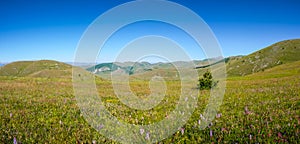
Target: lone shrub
207 82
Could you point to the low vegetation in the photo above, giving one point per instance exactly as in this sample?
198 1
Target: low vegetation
42 68
254 109
279 53
38 104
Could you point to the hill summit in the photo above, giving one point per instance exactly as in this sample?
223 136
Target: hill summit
42 68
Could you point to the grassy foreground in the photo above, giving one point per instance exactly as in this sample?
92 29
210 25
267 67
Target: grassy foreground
263 107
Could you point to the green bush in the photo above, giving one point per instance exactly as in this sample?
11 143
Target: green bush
207 82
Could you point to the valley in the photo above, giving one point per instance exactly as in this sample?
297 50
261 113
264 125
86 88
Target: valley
261 102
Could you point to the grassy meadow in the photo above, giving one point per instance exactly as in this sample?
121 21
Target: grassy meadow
258 108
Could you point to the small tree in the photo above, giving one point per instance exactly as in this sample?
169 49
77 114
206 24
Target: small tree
207 82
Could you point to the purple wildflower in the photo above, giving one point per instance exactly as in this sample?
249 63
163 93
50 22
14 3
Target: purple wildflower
10 115
182 131
100 126
15 140
210 133
218 115
223 129
147 136
246 110
279 135
142 131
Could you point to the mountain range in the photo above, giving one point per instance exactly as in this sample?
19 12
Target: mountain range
271 56
280 53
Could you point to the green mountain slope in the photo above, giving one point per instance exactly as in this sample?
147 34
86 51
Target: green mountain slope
279 53
284 70
42 68
126 67
276 54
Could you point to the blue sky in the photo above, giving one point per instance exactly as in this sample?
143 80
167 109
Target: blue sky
51 29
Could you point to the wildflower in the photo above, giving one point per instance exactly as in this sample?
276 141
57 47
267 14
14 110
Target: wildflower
246 110
199 122
94 142
250 137
210 133
15 140
100 126
202 117
279 135
224 129
218 115
147 136
182 131
270 133
142 131
10 115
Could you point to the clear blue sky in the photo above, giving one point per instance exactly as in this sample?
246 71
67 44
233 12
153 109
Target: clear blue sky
51 29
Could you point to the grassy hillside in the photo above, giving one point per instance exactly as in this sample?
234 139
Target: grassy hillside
258 108
284 70
135 69
276 54
271 56
144 70
42 68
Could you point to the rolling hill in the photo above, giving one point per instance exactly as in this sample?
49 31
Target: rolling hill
42 68
276 54
138 69
279 53
105 69
284 70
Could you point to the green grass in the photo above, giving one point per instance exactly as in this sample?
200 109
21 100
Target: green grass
44 110
42 68
271 56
